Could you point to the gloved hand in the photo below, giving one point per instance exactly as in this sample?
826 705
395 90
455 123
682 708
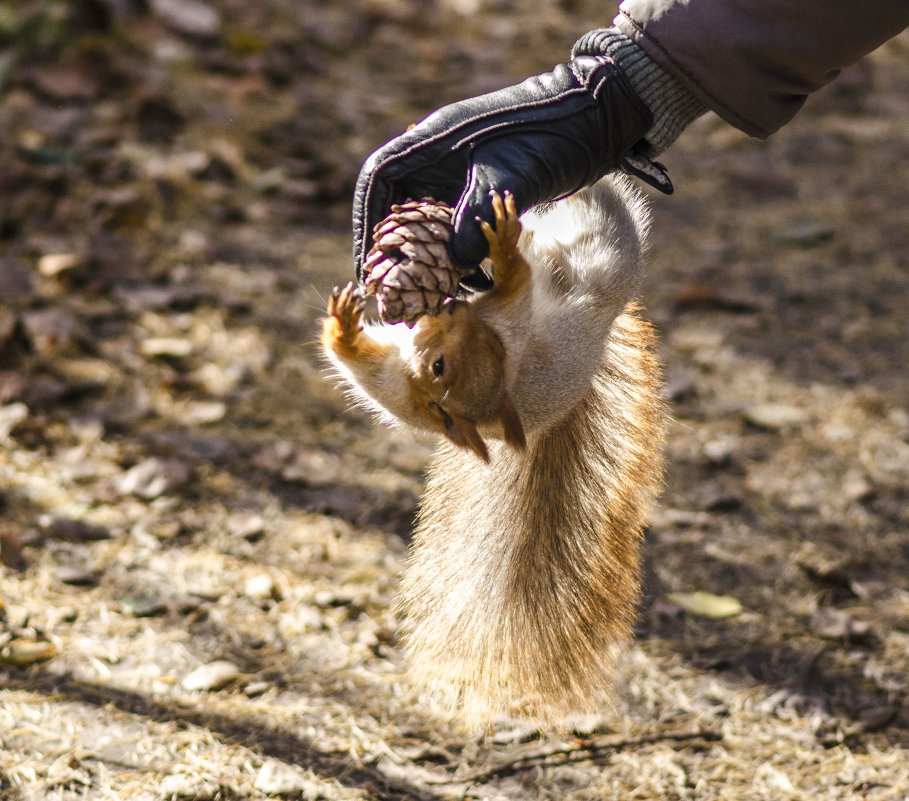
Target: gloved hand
542 139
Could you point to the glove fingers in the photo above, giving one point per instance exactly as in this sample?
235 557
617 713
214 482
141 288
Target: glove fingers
399 172
526 168
468 247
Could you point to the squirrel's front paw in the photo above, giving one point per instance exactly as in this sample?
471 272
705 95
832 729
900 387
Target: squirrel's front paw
345 311
503 240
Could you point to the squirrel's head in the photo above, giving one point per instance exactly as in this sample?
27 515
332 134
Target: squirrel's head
457 373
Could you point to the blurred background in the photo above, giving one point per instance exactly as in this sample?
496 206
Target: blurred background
200 542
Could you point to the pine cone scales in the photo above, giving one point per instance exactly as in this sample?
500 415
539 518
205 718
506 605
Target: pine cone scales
408 269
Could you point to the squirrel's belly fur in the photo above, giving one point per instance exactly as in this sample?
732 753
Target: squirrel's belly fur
524 574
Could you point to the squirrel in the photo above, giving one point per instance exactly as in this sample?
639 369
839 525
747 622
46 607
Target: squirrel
524 573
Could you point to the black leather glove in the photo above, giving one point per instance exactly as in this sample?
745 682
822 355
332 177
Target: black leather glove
542 139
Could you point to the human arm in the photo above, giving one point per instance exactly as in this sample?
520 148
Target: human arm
755 63
541 140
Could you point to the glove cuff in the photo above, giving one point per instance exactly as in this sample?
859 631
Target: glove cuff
672 106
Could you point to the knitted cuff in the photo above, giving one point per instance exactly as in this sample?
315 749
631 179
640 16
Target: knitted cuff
672 106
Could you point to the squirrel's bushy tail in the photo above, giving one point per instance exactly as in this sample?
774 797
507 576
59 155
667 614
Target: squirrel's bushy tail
525 573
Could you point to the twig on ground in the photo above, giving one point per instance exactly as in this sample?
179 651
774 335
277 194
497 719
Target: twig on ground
585 748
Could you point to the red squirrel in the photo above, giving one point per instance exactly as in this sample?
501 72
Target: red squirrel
524 574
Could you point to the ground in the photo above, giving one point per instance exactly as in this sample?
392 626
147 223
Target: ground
201 543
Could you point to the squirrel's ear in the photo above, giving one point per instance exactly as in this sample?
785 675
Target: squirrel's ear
463 433
511 423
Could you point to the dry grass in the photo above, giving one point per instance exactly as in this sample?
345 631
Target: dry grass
275 535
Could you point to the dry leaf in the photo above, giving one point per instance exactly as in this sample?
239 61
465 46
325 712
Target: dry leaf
23 652
212 676
705 604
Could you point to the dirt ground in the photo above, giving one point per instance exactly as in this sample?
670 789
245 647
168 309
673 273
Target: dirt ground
201 544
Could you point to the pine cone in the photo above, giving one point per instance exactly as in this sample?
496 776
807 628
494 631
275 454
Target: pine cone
408 269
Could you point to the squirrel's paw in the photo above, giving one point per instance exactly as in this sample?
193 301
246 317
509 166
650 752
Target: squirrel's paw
503 239
345 308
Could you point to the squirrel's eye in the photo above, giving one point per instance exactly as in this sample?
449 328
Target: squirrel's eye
438 367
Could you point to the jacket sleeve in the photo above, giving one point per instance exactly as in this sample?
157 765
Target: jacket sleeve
754 62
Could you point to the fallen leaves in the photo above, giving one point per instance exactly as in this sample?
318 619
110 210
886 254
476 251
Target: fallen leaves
838 624
154 477
212 676
775 416
77 575
185 310
189 16
705 604
280 778
11 549
68 79
143 605
11 416
22 651
22 646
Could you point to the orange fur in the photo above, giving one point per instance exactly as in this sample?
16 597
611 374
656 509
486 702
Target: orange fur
524 573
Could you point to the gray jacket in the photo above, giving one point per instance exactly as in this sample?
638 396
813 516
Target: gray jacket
754 62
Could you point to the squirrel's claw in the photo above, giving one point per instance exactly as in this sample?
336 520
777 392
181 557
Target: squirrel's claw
346 307
503 239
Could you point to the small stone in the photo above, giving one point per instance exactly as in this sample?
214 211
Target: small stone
697 295
857 488
154 477
835 624
315 468
209 448
336 598
183 785
143 606
66 78
713 498
279 778
246 525
166 347
76 576
23 651
10 551
213 676
256 688
52 329
831 571
805 233
43 390
186 604
9 324
69 530
719 451
144 298
876 717
774 416
52 264
275 457
201 413
260 587
125 412
15 280
679 384
188 16
10 417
